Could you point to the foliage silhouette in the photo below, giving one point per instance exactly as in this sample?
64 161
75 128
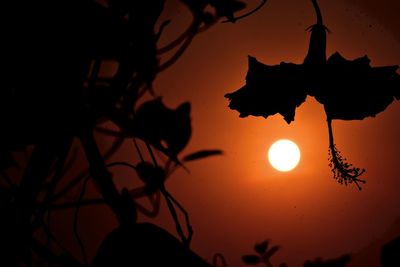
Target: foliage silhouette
54 92
144 244
390 256
338 262
264 254
348 89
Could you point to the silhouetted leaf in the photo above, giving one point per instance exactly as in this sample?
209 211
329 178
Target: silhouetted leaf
251 259
169 130
260 248
153 177
144 244
202 154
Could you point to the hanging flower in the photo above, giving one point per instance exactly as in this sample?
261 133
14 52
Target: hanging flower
348 89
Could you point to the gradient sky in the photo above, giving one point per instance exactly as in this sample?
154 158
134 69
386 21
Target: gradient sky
237 199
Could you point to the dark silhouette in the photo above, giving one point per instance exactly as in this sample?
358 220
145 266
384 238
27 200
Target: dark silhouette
264 254
58 88
144 245
390 256
348 89
339 262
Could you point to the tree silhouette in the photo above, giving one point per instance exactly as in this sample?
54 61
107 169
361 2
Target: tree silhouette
54 92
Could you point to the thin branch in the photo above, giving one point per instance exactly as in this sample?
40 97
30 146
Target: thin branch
161 29
153 158
77 179
114 148
186 215
58 174
174 215
178 53
49 233
138 149
170 203
121 163
155 203
247 14
75 225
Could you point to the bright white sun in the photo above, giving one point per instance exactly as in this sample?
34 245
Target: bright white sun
284 155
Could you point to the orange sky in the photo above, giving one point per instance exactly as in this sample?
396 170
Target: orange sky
238 199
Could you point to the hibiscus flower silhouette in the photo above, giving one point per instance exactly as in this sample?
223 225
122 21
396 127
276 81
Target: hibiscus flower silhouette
348 90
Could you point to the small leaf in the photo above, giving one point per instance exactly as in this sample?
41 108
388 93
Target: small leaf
251 259
202 154
260 248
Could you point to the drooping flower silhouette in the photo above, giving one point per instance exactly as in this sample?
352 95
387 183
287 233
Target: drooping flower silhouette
348 89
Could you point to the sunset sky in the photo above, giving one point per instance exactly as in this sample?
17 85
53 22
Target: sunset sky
238 199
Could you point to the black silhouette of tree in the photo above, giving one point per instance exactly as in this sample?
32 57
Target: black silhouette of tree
53 92
348 89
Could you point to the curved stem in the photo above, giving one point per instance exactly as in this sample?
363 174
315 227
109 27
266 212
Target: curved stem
248 13
121 163
178 53
189 228
75 224
177 41
77 179
317 12
185 240
330 132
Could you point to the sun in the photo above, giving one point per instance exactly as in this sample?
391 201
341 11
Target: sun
284 155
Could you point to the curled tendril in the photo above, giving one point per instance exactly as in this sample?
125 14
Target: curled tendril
344 172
